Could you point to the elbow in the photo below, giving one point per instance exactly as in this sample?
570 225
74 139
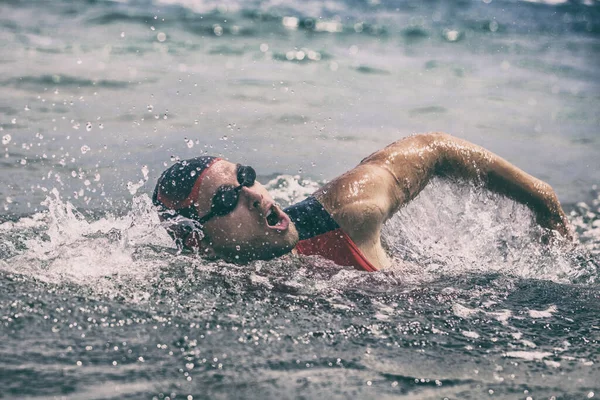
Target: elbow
437 143
435 139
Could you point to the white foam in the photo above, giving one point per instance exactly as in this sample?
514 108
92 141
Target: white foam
543 313
528 355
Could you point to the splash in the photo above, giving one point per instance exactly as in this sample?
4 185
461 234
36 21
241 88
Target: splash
457 228
61 243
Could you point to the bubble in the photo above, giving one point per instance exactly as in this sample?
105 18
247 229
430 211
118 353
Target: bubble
88 126
193 173
27 107
452 35
85 148
161 37
493 26
150 107
264 47
225 138
23 161
9 200
100 126
122 34
14 120
152 28
6 139
190 143
218 30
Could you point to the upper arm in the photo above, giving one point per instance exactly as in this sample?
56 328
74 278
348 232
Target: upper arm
365 197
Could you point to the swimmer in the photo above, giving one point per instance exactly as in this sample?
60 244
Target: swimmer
218 208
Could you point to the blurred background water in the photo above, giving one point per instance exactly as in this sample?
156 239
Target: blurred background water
98 97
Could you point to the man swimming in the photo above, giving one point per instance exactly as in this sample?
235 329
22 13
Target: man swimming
219 209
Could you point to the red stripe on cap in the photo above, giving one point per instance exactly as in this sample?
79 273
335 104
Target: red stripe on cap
188 201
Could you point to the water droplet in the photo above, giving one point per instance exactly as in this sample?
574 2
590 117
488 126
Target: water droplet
161 37
23 161
190 143
225 138
150 107
88 126
145 172
85 148
27 108
218 30
122 34
14 120
152 28
6 139
193 173
264 47
452 35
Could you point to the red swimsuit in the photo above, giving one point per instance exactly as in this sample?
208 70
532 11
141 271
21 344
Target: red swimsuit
321 235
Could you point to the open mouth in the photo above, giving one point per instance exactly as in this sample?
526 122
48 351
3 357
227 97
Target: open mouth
276 219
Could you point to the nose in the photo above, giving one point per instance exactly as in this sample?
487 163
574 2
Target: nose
253 196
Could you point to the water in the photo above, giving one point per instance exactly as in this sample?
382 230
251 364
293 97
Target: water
99 97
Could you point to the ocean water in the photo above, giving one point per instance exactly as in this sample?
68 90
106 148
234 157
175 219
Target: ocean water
98 97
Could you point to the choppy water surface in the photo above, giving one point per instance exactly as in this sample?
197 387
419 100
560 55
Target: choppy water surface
98 97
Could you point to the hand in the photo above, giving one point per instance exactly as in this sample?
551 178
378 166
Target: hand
554 218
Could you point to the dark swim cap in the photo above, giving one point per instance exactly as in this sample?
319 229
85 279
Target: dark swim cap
178 186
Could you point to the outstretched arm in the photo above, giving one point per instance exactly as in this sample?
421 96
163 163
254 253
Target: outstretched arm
391 177
413 161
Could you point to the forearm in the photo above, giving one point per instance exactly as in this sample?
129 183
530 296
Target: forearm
465 160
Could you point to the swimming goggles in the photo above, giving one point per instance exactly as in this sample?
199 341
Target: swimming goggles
227 196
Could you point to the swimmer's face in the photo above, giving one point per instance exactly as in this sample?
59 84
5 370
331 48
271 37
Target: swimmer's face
255 229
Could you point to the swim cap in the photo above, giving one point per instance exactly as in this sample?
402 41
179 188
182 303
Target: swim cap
178 186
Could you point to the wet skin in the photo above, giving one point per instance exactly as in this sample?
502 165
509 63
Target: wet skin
362 199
